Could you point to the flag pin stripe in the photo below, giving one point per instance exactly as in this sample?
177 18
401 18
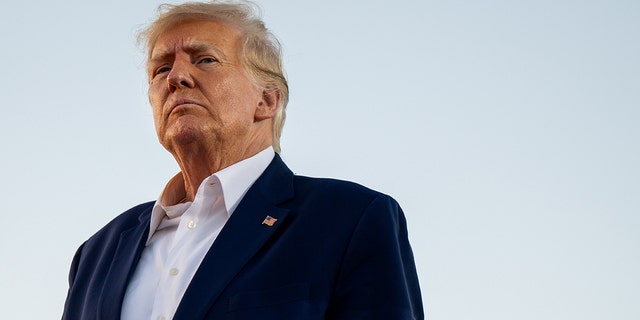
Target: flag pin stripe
269 221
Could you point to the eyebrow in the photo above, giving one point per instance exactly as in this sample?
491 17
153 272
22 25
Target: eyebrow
196 47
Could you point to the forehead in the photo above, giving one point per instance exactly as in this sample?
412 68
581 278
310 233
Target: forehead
196 35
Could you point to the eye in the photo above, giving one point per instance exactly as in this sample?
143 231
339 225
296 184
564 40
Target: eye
207 60
162 69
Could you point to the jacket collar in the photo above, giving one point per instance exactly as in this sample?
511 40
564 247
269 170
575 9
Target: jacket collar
240 239
126 256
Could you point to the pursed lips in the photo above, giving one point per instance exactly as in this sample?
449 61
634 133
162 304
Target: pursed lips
180 102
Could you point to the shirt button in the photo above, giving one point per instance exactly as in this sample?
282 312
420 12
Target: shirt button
191 224
161 318
173 271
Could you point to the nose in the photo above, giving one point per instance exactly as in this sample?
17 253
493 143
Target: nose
180 76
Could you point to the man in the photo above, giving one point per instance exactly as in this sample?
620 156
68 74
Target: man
235 235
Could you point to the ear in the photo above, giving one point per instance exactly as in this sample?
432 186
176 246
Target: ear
268 105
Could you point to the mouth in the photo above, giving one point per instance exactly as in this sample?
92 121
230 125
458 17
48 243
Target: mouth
182 102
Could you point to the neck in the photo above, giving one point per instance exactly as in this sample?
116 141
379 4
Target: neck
198 163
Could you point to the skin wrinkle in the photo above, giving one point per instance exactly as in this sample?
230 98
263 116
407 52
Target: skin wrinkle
190 46
230 117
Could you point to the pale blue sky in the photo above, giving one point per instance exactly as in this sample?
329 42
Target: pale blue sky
507 130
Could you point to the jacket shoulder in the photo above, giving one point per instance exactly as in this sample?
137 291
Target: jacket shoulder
338 191
123 221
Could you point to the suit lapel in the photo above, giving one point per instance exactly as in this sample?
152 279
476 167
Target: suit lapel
124 261
240 239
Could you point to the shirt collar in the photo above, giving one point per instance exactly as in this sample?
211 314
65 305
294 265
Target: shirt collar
235 181
238 178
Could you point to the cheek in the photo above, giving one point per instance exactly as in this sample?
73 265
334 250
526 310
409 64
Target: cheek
244 95
158 121
156 100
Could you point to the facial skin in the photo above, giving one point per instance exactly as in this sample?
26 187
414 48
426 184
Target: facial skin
207 111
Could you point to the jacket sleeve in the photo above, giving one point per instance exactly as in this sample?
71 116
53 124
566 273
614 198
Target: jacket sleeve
378 278
73 270
70 305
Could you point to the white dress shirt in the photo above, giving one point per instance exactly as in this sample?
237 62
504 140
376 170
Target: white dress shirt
180 235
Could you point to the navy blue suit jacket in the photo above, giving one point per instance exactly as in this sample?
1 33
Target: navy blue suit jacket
337 251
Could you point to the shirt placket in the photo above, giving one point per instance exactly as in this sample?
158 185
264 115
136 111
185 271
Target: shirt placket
192 239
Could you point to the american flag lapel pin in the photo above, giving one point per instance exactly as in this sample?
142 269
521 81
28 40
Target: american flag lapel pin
269 221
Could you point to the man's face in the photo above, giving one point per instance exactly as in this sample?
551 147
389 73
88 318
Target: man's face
199 89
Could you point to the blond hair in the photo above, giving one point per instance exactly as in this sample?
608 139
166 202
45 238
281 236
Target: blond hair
261 51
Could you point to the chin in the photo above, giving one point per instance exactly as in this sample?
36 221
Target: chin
182 135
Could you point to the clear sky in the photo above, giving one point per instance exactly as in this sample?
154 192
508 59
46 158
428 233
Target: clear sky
507 130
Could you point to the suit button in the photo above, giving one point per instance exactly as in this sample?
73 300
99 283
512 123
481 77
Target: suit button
173 271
